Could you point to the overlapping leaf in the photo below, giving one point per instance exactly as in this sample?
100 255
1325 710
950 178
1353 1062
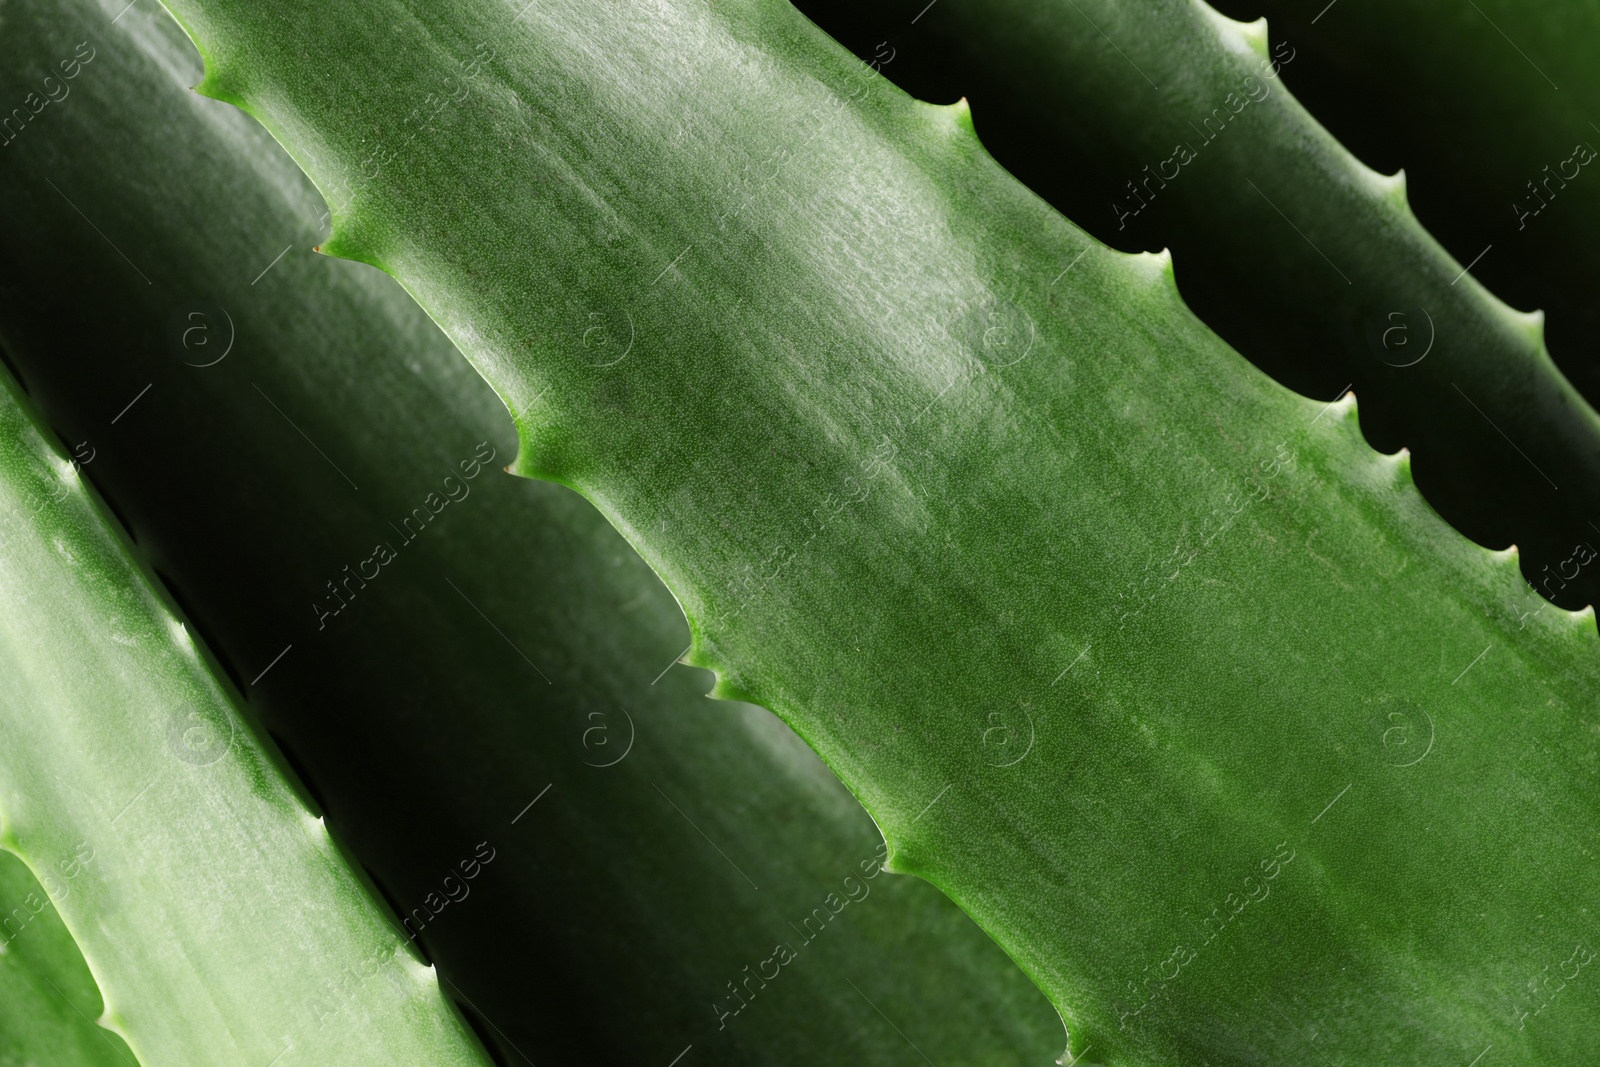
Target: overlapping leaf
212 908
1492 107
48 999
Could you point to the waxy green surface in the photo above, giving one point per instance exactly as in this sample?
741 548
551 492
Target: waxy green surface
1111 634
616 909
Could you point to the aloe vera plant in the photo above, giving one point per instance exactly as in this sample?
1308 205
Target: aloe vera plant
1022 549
414 717
1181 133
240 910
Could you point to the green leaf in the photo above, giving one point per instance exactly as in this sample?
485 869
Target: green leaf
1165 125
1487 119
220 921
415 718
1111 634
48 999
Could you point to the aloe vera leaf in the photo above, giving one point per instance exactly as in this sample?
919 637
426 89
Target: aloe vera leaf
924 465
209 904
415 719
1484 105
48 999
1165 125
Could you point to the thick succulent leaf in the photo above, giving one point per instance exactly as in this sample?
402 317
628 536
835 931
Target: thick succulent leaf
48 999
1177 688
1493 108
210 905
417 720
1163 124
